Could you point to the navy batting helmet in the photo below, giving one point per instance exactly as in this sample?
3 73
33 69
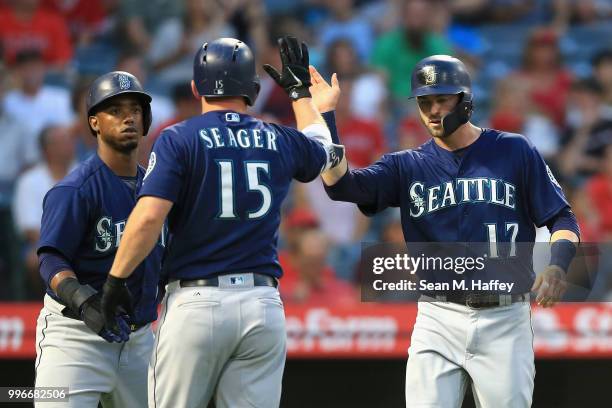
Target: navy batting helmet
444 75
226 67
116 83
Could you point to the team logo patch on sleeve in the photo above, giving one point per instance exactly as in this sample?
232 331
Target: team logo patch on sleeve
152 162
551 176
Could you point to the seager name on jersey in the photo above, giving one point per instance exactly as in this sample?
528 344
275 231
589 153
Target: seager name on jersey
425 200
239 138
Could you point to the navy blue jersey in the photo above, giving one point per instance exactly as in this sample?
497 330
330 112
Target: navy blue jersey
227 175
84 217
497 190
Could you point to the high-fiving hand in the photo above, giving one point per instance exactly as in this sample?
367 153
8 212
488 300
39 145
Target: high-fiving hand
324 95
294 77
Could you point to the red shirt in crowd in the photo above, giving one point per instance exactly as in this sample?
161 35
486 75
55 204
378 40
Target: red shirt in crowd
363 139
330 292
46 31
599 189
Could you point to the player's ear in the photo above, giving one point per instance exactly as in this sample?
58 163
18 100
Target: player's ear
194 91
93 123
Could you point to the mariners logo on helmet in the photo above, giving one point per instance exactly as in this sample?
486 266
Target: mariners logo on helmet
429 74
124 82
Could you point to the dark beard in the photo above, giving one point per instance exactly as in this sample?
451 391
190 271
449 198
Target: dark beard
124 148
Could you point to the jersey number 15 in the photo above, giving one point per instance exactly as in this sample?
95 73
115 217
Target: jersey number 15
227 195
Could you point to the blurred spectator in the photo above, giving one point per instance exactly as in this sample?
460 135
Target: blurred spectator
316 283
186 106
411 133
342 60
85 141
509 109
345 23
598 191
398 51
465 40
294 224
57 147
25 25
33 103
140 20
86 18
363 137
584 11
272 103
589 131
511 113
132 61
499 11
602 70
177 40
543 72
16 153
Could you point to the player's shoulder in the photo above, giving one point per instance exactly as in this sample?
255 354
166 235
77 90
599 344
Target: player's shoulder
83 175
417 153
508 140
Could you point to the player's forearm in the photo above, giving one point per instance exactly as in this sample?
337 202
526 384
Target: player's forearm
141 234
333 175
59 277
564 234
306 113
349 188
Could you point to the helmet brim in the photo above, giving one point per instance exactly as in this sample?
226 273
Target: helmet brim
438 90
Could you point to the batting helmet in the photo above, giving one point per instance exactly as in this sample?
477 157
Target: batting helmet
116 83
445 75
226 67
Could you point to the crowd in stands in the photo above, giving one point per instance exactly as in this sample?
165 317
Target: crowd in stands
542 68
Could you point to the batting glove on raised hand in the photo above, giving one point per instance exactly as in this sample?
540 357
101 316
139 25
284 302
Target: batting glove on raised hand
116 301
295 76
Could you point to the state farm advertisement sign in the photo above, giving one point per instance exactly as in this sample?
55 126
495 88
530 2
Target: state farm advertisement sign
577 330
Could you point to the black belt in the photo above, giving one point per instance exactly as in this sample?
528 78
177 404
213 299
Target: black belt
480 300
67 312
258 280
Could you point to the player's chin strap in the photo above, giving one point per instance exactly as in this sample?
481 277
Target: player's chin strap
458 116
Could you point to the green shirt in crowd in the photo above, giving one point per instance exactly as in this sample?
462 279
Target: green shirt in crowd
395 55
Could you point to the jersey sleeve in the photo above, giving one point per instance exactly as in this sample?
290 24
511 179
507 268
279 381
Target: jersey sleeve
373 188
304 157
545 197
66 213
166 170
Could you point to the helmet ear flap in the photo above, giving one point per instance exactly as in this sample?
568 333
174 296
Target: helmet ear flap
460 115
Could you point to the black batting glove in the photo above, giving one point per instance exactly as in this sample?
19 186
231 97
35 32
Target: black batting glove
91 314
295 76
84 302
116 301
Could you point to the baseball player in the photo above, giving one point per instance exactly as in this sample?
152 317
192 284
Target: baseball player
220 178
83 221
467 184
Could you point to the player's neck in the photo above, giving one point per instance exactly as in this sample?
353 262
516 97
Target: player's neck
122 164
232 104
464 136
